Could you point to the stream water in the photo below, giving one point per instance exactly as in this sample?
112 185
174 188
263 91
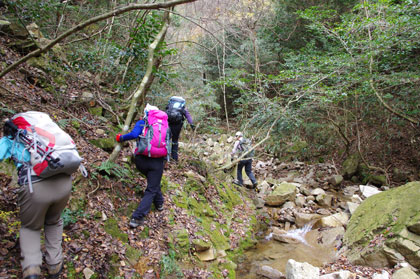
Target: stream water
275 254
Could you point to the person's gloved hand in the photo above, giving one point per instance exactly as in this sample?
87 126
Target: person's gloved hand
118 138
192 126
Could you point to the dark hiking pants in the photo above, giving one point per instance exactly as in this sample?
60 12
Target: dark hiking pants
248 170
152 168
176 131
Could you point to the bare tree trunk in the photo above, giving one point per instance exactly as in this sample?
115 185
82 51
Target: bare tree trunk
82 25
224 74
145 83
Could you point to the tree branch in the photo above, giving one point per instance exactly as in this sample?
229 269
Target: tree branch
145 83
82 25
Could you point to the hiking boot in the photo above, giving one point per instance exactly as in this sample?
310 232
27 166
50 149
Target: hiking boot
237 182
134 223
32 272
54 270
159 208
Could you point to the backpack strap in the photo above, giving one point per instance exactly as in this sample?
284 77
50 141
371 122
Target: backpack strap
24 164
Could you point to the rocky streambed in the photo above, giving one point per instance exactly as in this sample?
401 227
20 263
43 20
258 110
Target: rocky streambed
321 226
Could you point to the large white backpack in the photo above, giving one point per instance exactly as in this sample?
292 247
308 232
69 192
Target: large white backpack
52 150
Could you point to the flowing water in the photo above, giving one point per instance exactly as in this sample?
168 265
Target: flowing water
275 254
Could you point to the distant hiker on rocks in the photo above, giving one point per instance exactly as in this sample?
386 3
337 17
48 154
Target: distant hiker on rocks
177 112
45 156
241 146
153 145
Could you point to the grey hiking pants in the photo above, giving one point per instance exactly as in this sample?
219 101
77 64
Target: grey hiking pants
42 209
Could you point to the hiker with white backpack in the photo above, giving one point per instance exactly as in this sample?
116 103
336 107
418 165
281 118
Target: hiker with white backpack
153 147
45 157
242 146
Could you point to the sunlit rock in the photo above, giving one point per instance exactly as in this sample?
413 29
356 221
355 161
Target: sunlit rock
300 201
281 193
296 270
207 255
88 273
383 275
342 274
368 191
318 191
304 218
352 206
324 199
405 273
335 220
269 272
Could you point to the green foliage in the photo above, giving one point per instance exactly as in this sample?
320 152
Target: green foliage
71 216
169 267
111 169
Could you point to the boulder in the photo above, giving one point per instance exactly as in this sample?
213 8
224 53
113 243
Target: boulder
207 255
415 228
350 165
342 274
317 191
200 245
269 272
296 270
324 200
383 275
352 206
368 191
106 144
405 273
335 220
378 233
399 175
335 180
378 180
305 218
281 193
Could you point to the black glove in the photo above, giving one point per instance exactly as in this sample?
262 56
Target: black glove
193 126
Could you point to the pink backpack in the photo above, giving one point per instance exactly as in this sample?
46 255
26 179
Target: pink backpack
155 141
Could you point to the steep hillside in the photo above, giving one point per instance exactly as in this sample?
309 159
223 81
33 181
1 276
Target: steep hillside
204 217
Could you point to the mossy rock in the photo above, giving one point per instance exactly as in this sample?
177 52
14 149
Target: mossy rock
200 165
213 232
106 144
387 214
181 241
97 111
350 166
378 180
297 147
112 228
200 208
193 184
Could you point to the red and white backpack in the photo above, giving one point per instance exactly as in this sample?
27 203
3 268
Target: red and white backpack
52 150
